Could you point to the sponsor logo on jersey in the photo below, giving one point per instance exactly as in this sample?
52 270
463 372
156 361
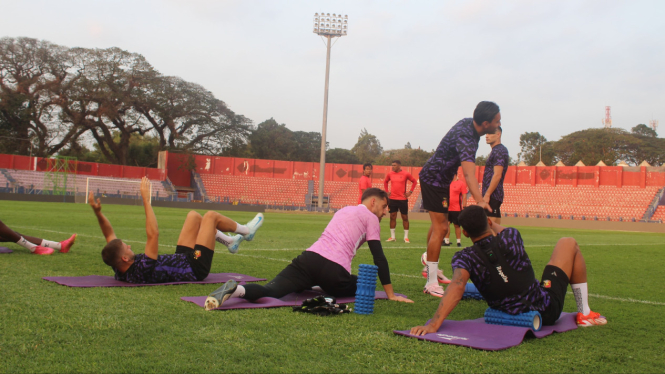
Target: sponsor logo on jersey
505 278
547 284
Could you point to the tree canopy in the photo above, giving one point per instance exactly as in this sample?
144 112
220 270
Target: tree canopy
368 147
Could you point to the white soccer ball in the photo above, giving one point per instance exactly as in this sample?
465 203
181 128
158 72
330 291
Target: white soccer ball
423 259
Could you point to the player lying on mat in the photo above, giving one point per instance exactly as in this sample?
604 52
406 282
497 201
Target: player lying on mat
35 245
194 250
327 263
501 270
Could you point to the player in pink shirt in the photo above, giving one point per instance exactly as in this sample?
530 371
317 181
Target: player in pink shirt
365 180
327 263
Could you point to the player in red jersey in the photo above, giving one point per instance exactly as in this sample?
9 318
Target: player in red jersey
399 198
365 180
458 193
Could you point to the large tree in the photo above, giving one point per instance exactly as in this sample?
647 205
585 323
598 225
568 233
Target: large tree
532 146
368 147
341 156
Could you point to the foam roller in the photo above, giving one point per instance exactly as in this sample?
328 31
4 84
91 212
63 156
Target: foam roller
365 289
532 319
471 292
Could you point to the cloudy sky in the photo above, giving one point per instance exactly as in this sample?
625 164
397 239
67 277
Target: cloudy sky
407 71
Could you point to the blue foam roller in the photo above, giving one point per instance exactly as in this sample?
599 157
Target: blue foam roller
532 319
471 292
365 289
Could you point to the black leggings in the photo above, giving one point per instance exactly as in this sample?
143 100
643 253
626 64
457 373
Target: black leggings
304 272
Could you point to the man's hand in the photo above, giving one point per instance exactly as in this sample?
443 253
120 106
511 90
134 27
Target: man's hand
408 194
485 206
422 330
400 299
486 198
145 188
96 206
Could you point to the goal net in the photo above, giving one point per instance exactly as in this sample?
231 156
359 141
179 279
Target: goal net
111 188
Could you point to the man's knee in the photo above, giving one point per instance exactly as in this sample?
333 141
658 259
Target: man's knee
194 215
568 242
211 216
405 218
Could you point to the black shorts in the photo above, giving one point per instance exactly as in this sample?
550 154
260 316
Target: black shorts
401 205
311 269
555 282
496 208
200 259
435 199
453 217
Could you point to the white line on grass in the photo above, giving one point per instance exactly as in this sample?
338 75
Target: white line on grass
629 300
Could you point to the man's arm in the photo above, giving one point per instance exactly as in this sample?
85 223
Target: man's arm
496 178
385 182
151 229
104 223
384 271
451 297
496 227
469 169
463 201
413 184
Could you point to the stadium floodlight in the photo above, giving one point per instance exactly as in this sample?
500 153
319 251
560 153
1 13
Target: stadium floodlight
328 26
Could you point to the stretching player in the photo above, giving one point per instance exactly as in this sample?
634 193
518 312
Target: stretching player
365 181
36 246
499 267
495 172
458 193
457 148
327 263
399 198
194 250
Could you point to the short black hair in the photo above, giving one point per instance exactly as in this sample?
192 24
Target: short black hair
485 111
366 165
112 252
499 129
398 162
374 192
473 220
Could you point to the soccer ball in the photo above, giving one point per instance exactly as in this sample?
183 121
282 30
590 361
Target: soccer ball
423 259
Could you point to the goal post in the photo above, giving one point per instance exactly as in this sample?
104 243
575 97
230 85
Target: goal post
111 187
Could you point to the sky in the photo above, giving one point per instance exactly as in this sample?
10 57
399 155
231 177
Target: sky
407 71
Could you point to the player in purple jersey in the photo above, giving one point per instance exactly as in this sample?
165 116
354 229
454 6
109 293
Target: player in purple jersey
499 267
327 263
457 148
194 251
495 172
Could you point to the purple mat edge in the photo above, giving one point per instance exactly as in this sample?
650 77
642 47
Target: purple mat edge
5 250
111 282
537 334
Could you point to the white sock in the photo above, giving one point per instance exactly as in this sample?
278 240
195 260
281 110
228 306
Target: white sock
447 240
241 229
581 293
392 233
50 244
406 234
459 241
239 292
26 244
223 238
432 269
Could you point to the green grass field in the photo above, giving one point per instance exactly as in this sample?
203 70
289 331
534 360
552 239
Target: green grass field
45 327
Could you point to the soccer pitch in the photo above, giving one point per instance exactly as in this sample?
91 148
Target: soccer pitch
45 327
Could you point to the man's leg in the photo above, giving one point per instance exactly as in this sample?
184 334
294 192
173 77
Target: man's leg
393 224
439 229
190 230
34 244
458 235
496 220
568 257
405 224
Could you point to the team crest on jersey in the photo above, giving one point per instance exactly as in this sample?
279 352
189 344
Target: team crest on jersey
445 202
547 284
197 254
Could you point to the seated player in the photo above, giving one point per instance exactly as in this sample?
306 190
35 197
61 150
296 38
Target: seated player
501 270
327 263
194 251
35 245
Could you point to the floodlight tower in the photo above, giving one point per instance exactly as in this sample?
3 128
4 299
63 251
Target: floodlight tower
654 124
330 27
608 118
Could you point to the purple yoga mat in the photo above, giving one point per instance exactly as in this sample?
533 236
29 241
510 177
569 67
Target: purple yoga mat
5 250
291 299
106 281
477 334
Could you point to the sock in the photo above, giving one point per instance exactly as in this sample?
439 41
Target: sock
581 293
223 238
26 244
447 240
241 229
406 234
459 241
392 233
50 244
432 269
239 292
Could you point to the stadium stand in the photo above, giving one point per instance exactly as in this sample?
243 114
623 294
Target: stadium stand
346 193
659 215
255 190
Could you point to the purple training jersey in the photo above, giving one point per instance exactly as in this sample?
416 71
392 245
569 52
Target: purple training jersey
512 247
498 157
166 268
459 144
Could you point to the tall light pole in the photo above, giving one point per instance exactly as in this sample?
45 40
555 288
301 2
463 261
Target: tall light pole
329 27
